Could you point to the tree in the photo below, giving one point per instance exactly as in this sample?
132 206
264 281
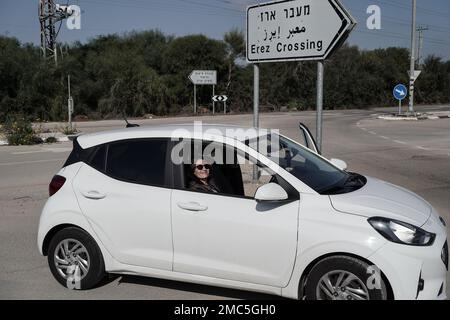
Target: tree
235 47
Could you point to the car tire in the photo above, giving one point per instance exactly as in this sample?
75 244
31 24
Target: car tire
344 278
75 259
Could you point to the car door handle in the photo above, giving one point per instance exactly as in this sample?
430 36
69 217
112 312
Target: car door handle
93 194
192 206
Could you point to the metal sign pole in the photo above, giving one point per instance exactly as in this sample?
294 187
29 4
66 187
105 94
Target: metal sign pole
255 110
256 95
319 103
195 99
69 104
214 103
413 59
399 107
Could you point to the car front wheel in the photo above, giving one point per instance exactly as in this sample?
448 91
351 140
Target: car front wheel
345 278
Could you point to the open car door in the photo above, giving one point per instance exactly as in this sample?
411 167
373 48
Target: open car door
307 138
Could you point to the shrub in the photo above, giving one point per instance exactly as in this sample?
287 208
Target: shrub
19 131
51 140
68 130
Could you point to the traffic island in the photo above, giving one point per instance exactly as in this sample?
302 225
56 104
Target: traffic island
414 116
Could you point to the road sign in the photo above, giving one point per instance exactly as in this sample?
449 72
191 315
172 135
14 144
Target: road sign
219 98
296 30
400 92
203 77
416 74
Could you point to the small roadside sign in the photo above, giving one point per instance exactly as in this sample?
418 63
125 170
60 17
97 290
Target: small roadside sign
203 77
415 75
219 98
400 92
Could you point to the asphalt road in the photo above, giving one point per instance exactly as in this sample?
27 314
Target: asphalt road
415 155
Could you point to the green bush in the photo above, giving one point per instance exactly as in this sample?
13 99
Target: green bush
19 131
51 140
68 130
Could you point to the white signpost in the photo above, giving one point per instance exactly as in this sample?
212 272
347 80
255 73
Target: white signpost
223 99
220 98
296 30
202 77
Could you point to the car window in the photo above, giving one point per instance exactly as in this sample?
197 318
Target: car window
231 172
305 165
98 159
253 176
138 161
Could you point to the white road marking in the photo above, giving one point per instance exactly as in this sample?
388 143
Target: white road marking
58 150
28 152
364 129
387 138
54 150
422 148
371 132
29 162
398 141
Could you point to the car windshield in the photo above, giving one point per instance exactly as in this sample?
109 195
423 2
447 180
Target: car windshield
306 165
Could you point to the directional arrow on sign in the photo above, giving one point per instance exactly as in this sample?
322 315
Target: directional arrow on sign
203 77
220 98
400 92
296 30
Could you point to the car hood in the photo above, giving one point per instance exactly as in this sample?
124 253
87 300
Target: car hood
382 199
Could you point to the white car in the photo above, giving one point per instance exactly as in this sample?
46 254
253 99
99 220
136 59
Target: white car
292 224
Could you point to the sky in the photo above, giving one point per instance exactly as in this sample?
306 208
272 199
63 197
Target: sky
19 18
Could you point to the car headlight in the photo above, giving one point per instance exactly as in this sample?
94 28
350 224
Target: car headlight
402 232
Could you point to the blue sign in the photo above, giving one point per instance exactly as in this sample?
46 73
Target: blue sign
400 92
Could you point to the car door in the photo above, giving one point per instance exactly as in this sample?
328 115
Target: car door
235 237
124 191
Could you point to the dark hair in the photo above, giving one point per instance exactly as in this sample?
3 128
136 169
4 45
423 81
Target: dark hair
191 174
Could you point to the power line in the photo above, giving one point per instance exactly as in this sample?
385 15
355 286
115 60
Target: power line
422 9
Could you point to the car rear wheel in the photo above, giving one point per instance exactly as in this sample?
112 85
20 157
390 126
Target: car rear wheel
345 278
75 259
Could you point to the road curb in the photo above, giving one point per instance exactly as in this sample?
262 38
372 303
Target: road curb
412 118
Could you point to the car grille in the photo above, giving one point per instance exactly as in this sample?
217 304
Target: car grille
444 255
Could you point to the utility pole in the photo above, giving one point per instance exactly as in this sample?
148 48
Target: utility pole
49 14
420 29
69 103
413 60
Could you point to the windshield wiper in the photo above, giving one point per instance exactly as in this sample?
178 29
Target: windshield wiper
353 179
352 182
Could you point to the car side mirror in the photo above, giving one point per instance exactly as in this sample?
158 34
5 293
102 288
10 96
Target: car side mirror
270 192
341 164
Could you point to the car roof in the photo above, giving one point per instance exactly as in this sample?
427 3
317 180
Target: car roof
170 130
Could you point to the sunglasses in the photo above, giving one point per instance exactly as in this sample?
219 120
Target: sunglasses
201 167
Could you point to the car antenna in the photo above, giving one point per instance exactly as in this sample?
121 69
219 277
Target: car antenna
129 125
